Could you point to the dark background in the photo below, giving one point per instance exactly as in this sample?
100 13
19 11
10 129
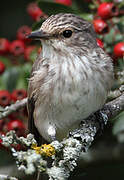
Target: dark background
13 15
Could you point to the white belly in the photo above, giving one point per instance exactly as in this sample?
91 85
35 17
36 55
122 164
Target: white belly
74 96
65 112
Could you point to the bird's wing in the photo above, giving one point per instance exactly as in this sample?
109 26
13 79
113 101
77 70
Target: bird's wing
31 103
31 126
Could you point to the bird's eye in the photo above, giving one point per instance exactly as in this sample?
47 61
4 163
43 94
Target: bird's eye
67 33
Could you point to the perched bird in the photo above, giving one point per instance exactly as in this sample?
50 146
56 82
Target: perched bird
70 79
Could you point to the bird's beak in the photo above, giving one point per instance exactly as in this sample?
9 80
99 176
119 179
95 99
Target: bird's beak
39 34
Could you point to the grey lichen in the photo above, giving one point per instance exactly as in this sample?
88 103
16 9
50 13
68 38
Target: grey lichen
32 161
12 138
66 154
57 173
29 161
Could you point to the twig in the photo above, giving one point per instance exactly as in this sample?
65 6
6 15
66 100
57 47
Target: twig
114 107
13 107
6 177
116 93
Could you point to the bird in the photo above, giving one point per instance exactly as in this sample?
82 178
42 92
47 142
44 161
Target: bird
70 79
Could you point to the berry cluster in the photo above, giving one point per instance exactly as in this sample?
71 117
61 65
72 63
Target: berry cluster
19 46
19 49
15 121
107 14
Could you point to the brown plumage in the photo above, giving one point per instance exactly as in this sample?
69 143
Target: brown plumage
69 80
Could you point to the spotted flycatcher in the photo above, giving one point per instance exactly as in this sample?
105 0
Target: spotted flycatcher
70 79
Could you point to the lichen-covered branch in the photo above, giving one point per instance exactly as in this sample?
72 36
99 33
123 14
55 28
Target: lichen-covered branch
6 177
112 108
117 92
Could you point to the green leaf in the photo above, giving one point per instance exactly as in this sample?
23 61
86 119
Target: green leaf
109 37
21 83
118 38
84 6
33 54
37 25
27 68
50 8
121 5
6 61
26 74
119 123
9 78
87 16
120 25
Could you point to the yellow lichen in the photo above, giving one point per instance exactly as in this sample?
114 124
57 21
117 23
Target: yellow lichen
45 149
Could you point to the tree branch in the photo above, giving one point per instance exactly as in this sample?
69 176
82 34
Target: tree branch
6 177
12 108
114 107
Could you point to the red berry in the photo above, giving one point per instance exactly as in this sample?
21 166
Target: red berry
17 47
119 50
18 94
28 51
2 67
100 26
100 43
5 98
22 32
4 45
65 2
34 11
107 10
17 126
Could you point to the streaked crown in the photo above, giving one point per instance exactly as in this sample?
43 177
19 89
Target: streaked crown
67 28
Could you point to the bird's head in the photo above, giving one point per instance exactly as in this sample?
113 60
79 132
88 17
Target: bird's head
65 30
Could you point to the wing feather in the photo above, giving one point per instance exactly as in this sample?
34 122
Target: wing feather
32 87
